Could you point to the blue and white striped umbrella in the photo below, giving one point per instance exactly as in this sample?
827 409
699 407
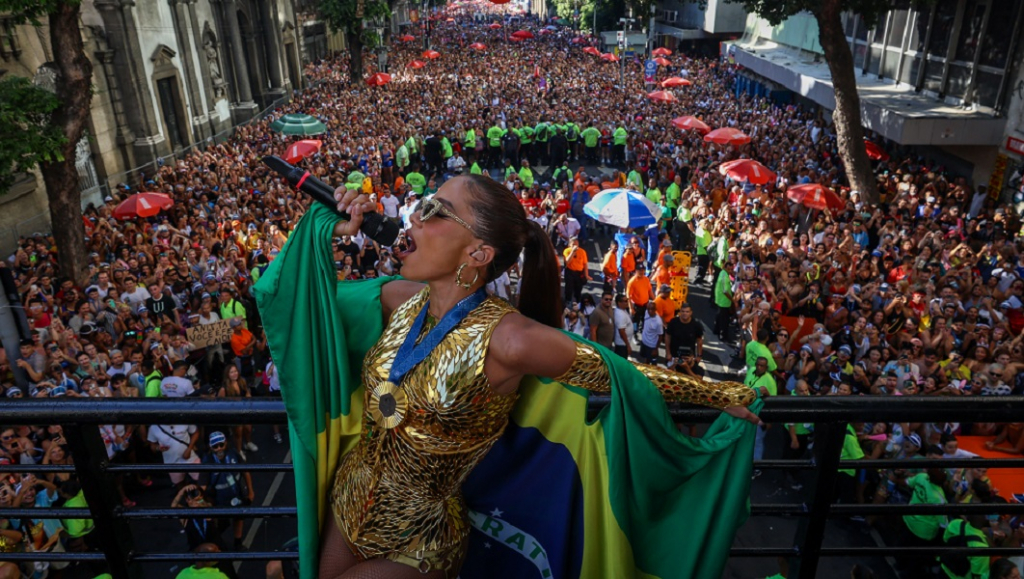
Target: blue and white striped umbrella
622 208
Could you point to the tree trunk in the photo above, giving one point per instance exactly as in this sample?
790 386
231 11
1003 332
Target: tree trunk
74 88
355 60
849 133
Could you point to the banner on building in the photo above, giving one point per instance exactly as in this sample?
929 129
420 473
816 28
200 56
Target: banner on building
995 182
650 72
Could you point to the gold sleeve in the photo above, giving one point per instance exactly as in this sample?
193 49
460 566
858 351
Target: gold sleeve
588 371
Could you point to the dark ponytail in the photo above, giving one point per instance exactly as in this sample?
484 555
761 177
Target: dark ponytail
501 223
539 284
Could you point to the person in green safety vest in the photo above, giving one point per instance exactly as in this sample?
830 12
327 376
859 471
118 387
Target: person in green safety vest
635 179
562 174
703 239
77 529
416 180
591 136
152 380
401 157
526 174
510 171
927 488
203 569
619 138
412 143
572 134
674 192
723 301
799 435
653 192
494 135
684 229
526 142
469 141
960 533
446 148
846 486
541 134
474 166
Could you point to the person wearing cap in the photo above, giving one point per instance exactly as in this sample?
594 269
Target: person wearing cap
577 270
228 488
665 305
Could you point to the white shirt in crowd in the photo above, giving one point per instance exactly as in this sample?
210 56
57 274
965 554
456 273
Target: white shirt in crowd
175 387
501 286
137 297
456 164
622 322
653 329
273 378
173 437
390 203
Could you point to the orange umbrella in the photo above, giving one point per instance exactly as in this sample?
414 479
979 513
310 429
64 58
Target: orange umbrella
663 96
522 34
875 152
661 52
675 81
663 61
478 46
727 136
379 79
494 26
592 50
416 64
747 170
407 38
687 123
815 196
142 205
609 57
299 150
431 54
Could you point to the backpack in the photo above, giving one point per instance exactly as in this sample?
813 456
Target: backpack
573 133
958 563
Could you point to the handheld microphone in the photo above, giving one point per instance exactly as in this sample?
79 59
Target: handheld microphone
374 225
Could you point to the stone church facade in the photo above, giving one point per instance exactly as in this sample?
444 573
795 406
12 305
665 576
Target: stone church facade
167 75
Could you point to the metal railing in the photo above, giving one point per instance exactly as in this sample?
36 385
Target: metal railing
830 416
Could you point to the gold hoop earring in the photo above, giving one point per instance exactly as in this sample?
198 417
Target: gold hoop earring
458 277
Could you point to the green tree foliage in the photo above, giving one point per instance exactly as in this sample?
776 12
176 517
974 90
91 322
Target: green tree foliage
348 17
51 125
28 136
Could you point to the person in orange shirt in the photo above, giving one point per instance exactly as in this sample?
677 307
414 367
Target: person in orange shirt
576 272
665 305
640 292
662 276
610 268
718 196
627 265
666 250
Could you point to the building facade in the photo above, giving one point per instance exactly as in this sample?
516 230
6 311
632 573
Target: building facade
942 78
167 75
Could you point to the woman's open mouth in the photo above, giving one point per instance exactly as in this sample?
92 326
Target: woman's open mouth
405 246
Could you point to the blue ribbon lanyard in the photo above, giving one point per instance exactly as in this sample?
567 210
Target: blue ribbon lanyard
410 353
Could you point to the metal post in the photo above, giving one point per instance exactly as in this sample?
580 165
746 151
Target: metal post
112 533
828 445
650 32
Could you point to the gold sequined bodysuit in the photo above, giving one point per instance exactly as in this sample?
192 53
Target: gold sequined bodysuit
398 493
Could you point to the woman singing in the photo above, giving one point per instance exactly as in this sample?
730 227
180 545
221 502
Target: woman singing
444 375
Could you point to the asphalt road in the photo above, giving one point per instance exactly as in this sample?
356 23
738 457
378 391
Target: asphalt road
279 489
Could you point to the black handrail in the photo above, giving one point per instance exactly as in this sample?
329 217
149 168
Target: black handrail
829 414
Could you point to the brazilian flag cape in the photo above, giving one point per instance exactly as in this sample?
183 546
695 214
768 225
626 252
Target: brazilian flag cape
622 495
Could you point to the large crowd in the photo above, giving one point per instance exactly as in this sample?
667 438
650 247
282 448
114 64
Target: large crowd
919 295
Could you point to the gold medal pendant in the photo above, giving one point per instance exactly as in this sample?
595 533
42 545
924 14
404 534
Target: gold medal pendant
388 404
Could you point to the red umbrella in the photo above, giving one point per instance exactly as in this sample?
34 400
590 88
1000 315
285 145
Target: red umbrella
579 40
431 54
522 34
494 26
499 1
478 46
592 50
609 57
142 205
875 152
675 81
544 31
727 136
663 61
661 52
747 170
815 196
663 96
299 150
407 38
416 64
379 79
514 38
687 123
